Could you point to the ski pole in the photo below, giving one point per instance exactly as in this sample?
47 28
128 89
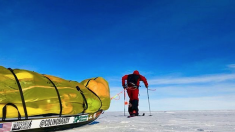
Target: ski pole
124 100
148 101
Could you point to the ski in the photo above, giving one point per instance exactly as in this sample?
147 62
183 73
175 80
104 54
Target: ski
137 115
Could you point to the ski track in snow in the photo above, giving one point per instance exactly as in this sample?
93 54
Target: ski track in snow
163 121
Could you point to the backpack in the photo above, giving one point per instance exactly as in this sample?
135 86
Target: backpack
132 80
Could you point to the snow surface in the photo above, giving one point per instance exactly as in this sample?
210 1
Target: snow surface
163 121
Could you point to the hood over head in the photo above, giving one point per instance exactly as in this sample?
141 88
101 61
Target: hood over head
136 72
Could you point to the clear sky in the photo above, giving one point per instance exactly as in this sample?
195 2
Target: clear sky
185 48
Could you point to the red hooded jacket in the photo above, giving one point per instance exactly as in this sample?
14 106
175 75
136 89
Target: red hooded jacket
141 78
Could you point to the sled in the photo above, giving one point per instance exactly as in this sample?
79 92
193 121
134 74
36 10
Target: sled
29 100
50 123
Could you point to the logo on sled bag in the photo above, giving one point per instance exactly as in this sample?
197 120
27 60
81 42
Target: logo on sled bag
80 118
54 122
21 125
5 127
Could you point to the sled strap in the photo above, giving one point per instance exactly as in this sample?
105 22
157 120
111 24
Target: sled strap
95 78
58 94
85 105
4 111
94 92
21 93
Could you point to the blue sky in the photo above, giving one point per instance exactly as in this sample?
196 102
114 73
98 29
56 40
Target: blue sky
184 48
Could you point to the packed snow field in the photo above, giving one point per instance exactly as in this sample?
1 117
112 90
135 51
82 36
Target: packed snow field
164 121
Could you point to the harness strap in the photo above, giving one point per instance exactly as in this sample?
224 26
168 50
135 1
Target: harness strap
58 94
93 92
85 104
21 93
4 111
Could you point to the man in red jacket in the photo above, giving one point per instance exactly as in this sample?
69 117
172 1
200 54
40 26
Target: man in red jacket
132 87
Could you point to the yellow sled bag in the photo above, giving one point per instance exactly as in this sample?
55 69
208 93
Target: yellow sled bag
26 93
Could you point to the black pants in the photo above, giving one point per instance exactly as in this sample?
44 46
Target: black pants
133 107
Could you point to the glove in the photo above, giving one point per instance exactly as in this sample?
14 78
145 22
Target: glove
124 86
147 87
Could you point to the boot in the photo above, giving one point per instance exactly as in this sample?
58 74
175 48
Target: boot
135 104
130 109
